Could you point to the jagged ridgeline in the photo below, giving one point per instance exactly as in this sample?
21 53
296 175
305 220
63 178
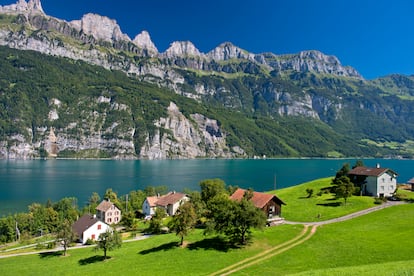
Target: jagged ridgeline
84 89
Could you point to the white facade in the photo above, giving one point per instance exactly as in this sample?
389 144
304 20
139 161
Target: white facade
147 209
94 231
382 186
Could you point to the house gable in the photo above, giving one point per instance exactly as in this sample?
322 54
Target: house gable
89 227
377 181
170 202
270 204
107 212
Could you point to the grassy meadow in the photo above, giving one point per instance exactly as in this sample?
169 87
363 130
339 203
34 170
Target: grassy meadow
316 208
379 243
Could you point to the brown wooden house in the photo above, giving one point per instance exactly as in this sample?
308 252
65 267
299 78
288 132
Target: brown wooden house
411 181
270 204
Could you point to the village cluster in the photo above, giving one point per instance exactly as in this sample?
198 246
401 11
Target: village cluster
377 182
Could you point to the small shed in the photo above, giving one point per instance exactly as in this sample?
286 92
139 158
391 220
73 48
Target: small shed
270 204
411 182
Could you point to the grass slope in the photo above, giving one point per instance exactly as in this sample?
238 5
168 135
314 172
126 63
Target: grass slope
300 208
374 244
370 243
154 256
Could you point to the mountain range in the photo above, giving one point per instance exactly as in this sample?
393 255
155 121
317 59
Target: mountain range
84 89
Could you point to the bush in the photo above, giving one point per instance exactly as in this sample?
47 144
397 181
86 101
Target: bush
379 200
89 242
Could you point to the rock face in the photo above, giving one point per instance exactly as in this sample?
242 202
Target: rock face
100 27
143 40
182 139
176 136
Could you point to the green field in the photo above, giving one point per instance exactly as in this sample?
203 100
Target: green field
300 208
379 243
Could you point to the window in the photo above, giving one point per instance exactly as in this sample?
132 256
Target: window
93 237
109 220
116 219
109 214
99 227
382 188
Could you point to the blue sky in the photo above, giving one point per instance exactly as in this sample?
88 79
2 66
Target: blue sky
375 37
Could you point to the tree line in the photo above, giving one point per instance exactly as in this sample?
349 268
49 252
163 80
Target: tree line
210 209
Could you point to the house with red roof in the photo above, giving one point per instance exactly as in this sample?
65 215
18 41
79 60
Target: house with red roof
107 212
170 202
88 227
270 204
379 182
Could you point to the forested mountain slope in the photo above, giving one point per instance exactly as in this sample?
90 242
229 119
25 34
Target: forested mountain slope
69 90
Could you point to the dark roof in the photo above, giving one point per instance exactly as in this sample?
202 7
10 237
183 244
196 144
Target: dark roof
169 199
104 206
370 171
83 223
259 199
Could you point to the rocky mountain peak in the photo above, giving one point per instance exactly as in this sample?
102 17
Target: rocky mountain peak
33 6
100 27
227 51
143 40
182 49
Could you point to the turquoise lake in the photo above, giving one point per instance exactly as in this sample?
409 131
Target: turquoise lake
24 182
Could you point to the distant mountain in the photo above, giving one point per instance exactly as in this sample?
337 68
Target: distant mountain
57 100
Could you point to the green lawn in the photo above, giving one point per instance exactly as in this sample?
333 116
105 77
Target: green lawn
300 208
375 243
153 256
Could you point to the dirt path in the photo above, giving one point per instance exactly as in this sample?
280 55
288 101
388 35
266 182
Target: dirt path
302 237
299 239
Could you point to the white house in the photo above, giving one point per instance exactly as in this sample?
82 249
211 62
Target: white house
89 227
170 202
380 182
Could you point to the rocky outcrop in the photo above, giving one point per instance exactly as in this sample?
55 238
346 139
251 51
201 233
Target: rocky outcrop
143 40
23 7
100 27
178 137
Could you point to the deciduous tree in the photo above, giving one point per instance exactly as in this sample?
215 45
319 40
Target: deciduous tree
184 220
108 241
65 234
343 188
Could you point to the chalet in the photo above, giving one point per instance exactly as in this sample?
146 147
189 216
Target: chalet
88 227
107 212
380 182
411 182
170 202
270 204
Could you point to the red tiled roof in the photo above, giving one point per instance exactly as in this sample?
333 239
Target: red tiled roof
83 223
370 171
259 199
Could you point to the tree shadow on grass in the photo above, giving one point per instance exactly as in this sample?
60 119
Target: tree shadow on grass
163 247
216 243
93 259
51 254
330 204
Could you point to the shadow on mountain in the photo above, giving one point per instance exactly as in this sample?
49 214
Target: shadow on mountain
93 259
216 243
163 247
